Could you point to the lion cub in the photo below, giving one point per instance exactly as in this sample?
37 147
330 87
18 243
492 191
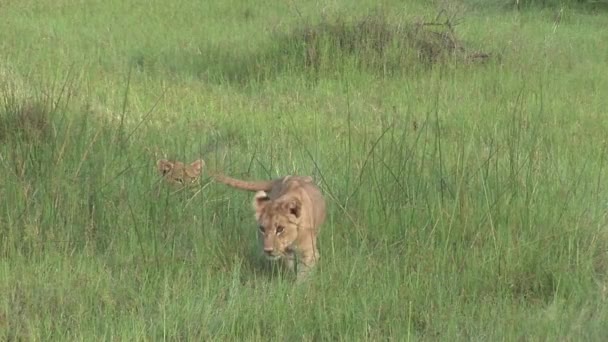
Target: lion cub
178 173
289 212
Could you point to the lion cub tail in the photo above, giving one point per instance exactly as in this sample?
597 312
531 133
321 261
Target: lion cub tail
244 185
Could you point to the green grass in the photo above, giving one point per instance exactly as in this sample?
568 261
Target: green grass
466 201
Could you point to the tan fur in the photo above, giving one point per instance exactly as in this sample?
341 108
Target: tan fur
178 173
289 212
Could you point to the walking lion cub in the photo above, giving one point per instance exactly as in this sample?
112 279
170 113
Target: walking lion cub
289 212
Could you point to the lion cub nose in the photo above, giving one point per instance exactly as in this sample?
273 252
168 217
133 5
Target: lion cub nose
268 250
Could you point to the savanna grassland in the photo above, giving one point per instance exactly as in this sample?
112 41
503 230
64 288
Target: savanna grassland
464 167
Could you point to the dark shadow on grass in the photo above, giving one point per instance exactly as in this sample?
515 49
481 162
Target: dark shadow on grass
257 266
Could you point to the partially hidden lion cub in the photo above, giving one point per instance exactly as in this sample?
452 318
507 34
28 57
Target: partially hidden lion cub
178 173
289 212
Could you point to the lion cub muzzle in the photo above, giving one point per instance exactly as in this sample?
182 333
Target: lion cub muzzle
270 240
269 251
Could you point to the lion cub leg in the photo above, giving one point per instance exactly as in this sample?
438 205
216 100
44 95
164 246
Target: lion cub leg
306 262
289 260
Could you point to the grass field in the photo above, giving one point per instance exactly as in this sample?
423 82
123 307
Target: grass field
467 200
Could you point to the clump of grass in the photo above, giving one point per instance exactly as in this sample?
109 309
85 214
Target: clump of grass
374 43
28 120
26 130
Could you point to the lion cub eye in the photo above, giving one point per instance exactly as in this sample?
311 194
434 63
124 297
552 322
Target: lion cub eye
261 228
280 229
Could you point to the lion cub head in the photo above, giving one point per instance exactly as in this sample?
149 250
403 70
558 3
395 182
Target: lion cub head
178 173
278 222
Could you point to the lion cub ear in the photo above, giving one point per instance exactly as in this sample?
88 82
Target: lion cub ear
163 166
197 166
294 207
260 201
